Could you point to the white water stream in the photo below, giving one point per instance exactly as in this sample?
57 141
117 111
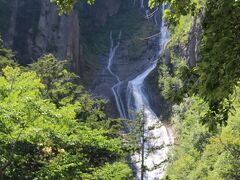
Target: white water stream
115 87
142 4
137 99
160 136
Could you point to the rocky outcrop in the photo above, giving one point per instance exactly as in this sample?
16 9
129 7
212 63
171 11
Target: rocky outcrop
194 41
104 9
36 29
125 68
188 50
59 35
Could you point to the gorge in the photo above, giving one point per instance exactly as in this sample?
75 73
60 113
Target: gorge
119 89
120 77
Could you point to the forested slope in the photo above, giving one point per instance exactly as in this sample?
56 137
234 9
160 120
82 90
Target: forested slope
51 127
204 92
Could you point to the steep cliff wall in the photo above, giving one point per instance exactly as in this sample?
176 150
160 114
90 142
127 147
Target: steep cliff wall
181 51
36 29
132 56
33 28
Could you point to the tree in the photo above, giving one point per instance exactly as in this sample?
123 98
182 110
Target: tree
178 8
66 6
116 171
216 74
201 154
141 141
64 87
40 140
6 56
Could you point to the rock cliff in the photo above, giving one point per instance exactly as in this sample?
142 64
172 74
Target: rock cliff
33 28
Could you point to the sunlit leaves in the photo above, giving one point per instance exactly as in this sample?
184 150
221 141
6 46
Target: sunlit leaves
41 140
66 6
218 69
6 56
201 154
178 8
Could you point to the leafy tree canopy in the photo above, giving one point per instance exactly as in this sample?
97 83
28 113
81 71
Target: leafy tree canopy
64 87
216 75
178 8
66 6
200 154
51 128
6 56
40 140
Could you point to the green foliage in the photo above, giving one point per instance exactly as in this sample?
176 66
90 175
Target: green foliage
51 128
35 133
216 74
116 171
218 70
180 33
170 81
6 56
64 87
66 6
212 92
60 84
200 154
178 8
172 74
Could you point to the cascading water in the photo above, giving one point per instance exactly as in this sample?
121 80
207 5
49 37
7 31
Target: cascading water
158 137
142 3
115 88
137 98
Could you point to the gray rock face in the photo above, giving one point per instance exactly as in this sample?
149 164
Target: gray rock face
103 9
36 29
59 35
127 67
194 41
189 51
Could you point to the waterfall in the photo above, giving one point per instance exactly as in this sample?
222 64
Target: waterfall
137 99
115 88
142 4
147 14
155 19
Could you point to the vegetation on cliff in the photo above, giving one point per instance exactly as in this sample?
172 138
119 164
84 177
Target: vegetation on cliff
206 116
198 153
51 128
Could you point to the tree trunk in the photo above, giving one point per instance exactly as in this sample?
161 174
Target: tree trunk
143 146
1 174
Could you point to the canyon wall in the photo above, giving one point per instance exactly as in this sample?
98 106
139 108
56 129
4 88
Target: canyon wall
33 28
